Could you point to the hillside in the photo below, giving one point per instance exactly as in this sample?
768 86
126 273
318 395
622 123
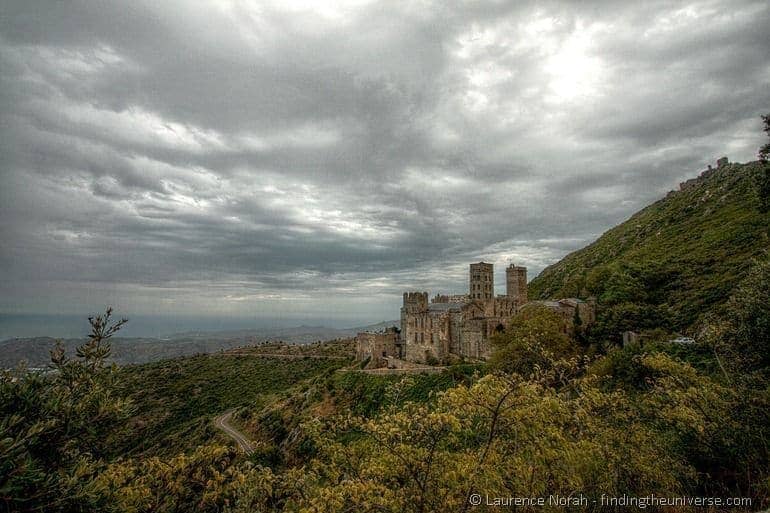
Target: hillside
276 425
676 259
176 399
273 387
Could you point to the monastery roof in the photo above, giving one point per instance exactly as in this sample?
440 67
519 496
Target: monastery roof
445 307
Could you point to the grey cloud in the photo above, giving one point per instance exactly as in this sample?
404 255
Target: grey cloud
234 158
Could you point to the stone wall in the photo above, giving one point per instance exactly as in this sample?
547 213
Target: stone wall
427 336
377 346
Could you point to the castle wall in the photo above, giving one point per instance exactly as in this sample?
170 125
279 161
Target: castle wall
455 333
473 338
414 303
377 347
428 336
453 298
436 330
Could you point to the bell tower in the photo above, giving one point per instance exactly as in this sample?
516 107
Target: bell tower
516 283
482 281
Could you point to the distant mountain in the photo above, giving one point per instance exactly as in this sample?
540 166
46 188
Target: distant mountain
675 260
297 335
378 327
35 351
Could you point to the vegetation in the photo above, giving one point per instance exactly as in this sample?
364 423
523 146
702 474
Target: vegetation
532 337
764 151
65 433
546 421
176 399
337 348
763 178
278 425
55 428
638 421
367 394
672 263
552 415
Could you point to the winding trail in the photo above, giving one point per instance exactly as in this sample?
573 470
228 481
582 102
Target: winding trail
223 423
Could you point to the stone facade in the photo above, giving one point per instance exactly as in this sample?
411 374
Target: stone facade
459 325
482 281
516 283
630 337
378 347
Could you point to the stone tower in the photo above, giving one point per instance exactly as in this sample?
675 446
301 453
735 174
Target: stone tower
516 283
414 303
482 281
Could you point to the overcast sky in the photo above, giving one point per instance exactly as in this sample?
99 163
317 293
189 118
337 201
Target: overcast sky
319 158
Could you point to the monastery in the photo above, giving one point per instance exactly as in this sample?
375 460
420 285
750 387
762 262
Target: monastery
448 328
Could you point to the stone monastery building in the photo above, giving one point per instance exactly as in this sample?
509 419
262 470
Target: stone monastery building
461 325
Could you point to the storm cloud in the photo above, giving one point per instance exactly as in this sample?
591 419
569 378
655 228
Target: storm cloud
229 158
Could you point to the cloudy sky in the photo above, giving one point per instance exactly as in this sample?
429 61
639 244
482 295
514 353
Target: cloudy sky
242 159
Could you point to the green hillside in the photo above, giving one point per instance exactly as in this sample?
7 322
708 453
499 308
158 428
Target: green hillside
177 399
673 261
277 424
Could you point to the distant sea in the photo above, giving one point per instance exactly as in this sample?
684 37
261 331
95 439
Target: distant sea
73 326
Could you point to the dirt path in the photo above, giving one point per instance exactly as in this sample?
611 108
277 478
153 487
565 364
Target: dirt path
223 423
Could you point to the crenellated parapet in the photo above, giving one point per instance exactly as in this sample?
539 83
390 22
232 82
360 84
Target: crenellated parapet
415 301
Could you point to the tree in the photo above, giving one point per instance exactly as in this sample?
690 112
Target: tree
203 481
54 427
741 334
97 349
763 185
613 320
579 334
534 335
764 151
509 435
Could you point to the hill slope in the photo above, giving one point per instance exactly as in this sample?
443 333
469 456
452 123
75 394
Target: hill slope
177 399
676 259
